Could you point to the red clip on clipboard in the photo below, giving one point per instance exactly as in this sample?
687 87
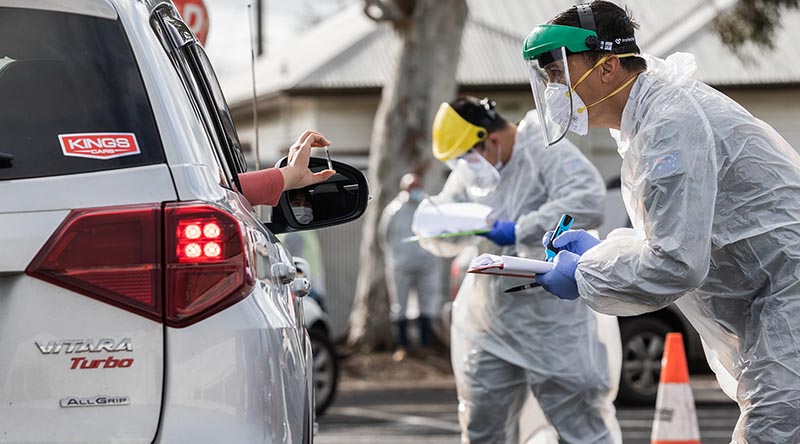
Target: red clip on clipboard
509 266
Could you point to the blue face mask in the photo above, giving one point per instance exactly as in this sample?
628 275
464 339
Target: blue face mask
416 196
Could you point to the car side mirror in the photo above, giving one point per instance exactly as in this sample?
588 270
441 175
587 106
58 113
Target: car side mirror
340 199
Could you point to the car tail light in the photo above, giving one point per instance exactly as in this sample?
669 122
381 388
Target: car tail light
112 254
206 262
131 256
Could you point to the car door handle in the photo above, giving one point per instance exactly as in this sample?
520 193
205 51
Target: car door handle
301 287
283 272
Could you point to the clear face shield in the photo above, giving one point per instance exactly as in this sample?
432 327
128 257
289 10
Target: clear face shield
552 94
477 173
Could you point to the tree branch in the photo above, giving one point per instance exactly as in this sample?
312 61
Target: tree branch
754 21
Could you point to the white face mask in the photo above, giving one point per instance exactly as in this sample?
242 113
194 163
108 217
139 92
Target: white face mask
556 97
499 164
303 215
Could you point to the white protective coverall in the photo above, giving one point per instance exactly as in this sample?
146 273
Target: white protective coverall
504 343
408 266
714 197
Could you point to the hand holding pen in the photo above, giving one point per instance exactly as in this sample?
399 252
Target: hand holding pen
550 250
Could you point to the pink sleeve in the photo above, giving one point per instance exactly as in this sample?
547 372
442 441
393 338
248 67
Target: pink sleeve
262 187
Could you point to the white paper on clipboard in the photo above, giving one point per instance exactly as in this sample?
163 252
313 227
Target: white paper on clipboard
450 217
508 266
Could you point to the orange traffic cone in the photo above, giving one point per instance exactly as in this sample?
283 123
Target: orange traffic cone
676 420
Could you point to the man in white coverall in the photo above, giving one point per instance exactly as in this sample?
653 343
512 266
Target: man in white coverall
505 345
714 197
409 267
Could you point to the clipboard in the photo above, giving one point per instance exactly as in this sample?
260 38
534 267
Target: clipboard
447 235
511 266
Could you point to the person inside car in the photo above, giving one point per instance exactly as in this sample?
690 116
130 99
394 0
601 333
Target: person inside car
300 201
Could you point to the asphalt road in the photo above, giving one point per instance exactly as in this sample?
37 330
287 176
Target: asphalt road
428 415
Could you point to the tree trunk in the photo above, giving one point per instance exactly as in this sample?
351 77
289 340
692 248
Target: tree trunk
401 140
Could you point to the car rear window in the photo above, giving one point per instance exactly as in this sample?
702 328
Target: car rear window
72 99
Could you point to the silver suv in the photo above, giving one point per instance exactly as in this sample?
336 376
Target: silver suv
141 301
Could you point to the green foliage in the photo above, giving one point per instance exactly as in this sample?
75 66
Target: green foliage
754 21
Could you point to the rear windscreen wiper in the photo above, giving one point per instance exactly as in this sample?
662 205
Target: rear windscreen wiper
6 160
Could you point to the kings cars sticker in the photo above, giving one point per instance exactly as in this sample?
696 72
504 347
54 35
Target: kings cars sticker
99 145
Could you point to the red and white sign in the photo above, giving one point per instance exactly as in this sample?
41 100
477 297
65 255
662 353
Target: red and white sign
195 15
99 145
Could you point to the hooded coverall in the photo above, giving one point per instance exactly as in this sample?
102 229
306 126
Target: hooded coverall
506 344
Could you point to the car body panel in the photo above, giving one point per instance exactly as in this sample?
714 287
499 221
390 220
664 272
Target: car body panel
128 186
45 330
183 136
24 234
32 384
240 375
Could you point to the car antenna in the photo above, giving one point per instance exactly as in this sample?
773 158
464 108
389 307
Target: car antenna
253 76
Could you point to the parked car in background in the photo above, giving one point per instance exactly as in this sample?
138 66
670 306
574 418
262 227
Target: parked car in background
326 365
141 301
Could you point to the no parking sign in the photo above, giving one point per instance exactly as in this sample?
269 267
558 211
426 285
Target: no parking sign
195 15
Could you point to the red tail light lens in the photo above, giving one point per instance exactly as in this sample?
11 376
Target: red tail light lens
113 255
206 263
131 256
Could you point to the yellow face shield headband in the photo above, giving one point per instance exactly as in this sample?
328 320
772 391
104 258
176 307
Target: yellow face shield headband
453 135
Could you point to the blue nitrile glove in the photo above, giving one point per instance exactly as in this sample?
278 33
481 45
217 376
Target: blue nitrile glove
502 232
560 281
575 241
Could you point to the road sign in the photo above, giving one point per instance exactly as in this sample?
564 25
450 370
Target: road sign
195 14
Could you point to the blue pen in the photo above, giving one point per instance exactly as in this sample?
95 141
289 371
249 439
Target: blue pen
563 225
550 252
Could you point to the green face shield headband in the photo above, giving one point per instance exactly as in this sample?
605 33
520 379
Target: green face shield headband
544 41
